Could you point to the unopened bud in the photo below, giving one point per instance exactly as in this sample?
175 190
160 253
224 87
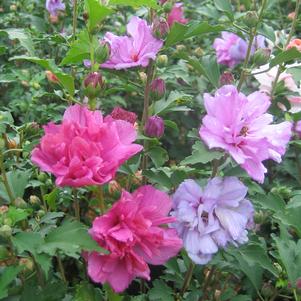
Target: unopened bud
114 187
27 263
143 77
20 203
93 84
267 290
180 48
102 52
11 143
251 19
226 78
51 77
3 209
158 88
41 213
5 231
162 60
291 16
154 127
25 83
13 7
167 7
160 28
261 56
33 199
53 19
198 51
8 221
119 113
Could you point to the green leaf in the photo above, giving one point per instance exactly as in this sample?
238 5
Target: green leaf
290 255
31 242
79 50
8 275
271 202
6 119
71 238
158 155
180 32
200 154
136 3
65 79
171 104
207 66
291 217
224 6
161 291
23 37
257 255
87 292
51 198
285 56
16 214
96 12
17 180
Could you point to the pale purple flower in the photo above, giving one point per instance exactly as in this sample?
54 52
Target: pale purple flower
232 49
212 217
87 63
240 125
134 50
54 6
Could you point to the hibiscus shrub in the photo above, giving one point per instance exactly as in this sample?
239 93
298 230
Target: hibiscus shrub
150 150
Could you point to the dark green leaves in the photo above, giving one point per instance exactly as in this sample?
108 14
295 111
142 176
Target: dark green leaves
65 79
96 12
7 276
180 32
201 154
136 3
285 56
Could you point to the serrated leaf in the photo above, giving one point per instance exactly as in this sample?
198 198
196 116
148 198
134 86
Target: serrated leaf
136 3
200 154
71 238
160 291
158 155
96 12
180 32
16 214
79 50
87 292
285 56
23 37
6 277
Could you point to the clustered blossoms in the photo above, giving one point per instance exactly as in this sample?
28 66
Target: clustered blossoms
133 234
232 49
146 226
240 125
85 149
210 218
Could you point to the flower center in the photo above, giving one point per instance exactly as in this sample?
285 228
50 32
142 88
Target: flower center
135 57
205 217
244 131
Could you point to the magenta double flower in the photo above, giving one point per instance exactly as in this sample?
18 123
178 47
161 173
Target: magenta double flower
85 149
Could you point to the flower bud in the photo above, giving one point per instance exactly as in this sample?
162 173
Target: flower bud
102 52
13 7
251 19
160 28
11 143
51 77
154 127
42 177
143 77
226 78
180 48
93 84
261 56
27 263
119 113
8 221
295 43
5 231
3 209
54 19
291 16
41 213
158 88
267 290
198 51
162 60
33 200
114 187
20 203
25 83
